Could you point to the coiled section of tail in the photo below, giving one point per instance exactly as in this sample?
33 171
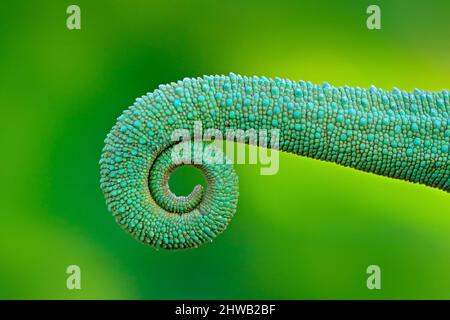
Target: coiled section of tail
136 164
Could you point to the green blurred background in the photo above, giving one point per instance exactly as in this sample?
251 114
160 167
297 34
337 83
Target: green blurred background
308 232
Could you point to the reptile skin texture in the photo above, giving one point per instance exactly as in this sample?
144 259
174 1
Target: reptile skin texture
398 134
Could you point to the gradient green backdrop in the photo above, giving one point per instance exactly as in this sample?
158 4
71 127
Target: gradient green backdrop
308 232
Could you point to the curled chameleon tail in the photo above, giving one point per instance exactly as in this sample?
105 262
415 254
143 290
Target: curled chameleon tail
404 135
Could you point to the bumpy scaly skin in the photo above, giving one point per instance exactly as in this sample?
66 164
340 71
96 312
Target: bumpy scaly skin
398 134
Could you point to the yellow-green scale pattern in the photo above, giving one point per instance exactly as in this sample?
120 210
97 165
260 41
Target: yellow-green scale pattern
399 134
